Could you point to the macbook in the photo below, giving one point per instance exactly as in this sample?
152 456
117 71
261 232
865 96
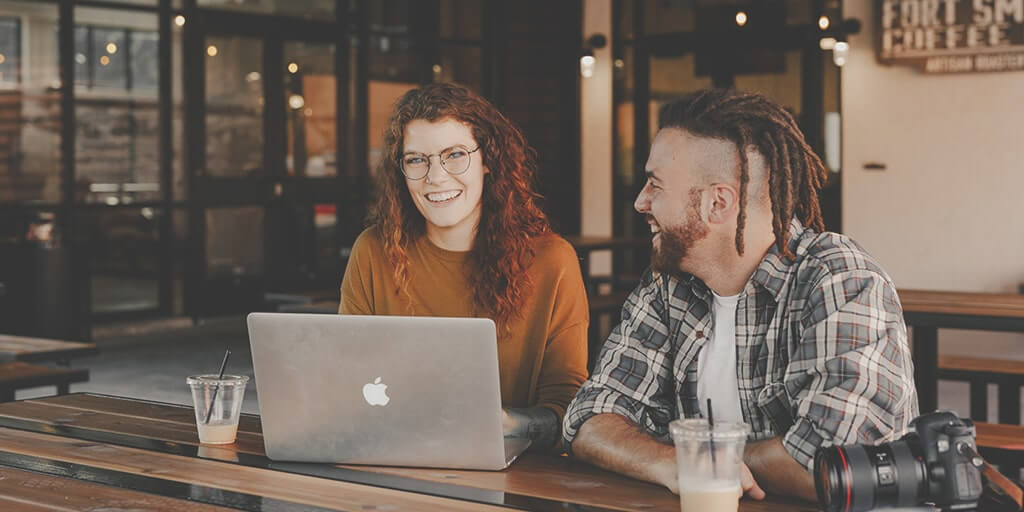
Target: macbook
383 390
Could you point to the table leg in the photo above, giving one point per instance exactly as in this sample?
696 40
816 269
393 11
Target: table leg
926 363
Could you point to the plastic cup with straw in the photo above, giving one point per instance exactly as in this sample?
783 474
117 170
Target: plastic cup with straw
220 398
698 443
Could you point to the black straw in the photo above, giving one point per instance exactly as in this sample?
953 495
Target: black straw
223 364
711 436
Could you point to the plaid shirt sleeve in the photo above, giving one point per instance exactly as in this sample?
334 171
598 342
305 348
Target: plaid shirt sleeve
851 375
633 375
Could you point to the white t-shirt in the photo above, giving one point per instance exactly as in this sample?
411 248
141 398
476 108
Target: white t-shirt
716 365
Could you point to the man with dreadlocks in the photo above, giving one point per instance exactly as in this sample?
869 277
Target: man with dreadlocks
748 302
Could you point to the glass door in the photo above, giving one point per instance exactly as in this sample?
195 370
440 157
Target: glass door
264 183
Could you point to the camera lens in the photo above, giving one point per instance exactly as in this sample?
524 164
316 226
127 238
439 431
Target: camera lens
855 478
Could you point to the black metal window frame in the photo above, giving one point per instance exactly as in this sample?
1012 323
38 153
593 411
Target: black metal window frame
15 52
352 128
91 54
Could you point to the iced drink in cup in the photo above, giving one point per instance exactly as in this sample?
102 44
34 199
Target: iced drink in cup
708 459
218 402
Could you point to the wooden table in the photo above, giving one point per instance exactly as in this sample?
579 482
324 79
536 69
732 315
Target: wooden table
92 449
927 311
21 348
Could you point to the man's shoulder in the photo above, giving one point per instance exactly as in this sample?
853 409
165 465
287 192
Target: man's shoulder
833 253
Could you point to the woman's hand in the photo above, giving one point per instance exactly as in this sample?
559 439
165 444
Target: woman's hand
538 424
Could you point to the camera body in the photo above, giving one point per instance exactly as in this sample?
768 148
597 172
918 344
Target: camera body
953 480
929 464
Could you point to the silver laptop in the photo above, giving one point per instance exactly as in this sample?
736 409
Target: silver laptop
387 390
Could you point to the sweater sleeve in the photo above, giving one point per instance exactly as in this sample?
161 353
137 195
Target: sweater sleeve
357 284
564 366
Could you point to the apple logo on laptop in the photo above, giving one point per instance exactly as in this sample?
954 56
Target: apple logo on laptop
376 393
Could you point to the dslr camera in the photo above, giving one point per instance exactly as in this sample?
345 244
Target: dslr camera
936 462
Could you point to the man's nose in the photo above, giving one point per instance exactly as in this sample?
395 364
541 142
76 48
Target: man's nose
642 205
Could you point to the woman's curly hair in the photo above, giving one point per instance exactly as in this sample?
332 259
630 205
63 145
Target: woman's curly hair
510 217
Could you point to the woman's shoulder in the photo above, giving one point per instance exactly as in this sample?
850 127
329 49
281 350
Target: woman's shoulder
368 242
550 249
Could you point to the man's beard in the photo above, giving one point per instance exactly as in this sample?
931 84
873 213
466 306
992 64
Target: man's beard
676 242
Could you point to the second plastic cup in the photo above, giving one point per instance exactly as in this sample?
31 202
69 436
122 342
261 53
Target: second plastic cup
709 460
221 399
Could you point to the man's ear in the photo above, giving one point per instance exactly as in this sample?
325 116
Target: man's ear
723 203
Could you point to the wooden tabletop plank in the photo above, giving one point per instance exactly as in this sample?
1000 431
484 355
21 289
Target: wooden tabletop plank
174 413
23 348
246 442
565 479
277 485
1005 305
540 476
29 491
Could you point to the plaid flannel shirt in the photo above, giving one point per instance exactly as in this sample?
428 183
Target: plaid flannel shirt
821 351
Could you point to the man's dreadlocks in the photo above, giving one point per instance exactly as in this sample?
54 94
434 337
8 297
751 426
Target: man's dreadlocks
752 121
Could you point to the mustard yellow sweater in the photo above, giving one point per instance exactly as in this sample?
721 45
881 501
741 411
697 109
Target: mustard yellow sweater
542 355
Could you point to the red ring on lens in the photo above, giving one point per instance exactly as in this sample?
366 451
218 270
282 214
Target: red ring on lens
846 471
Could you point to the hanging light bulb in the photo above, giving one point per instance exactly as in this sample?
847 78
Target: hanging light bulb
587 63
840 52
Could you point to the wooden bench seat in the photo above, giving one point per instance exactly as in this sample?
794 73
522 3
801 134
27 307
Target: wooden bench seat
33 350
19 375
979 372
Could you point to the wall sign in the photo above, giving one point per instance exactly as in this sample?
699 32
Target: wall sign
952 36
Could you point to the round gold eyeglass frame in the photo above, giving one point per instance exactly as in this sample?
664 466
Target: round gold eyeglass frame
444 157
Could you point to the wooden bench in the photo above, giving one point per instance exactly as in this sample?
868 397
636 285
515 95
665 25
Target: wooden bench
17 375
1002 445
979 372
26 349
928 311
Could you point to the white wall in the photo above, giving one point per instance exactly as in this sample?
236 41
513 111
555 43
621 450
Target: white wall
948 211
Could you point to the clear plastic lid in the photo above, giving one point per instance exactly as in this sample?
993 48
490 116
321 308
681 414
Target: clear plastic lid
212 380
700 429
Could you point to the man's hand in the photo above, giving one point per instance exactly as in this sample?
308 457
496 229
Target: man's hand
615 443
749 485
779 471
669 477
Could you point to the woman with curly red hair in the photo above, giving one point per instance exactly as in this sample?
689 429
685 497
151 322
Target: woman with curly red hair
456 232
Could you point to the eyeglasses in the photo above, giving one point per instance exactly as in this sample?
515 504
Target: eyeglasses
454 160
